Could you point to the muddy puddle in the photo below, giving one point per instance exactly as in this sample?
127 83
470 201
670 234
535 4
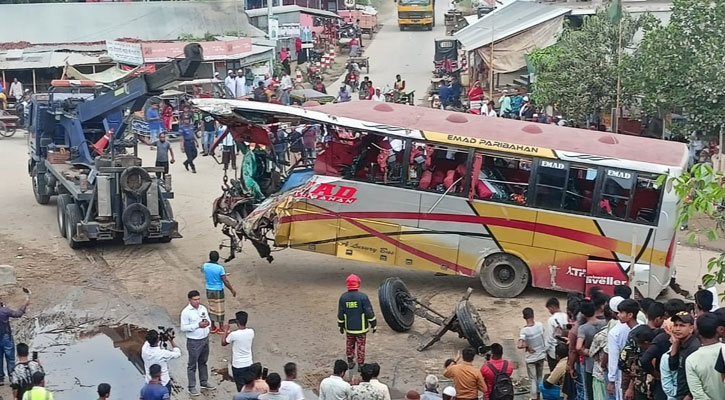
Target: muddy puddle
75 362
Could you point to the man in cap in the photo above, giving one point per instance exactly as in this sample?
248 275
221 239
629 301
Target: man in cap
230 83
355 317
684 342
378 96
412 395
449 393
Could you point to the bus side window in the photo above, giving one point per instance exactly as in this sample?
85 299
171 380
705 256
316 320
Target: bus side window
443 168
580 189
646 201
615 194
550 184
503 179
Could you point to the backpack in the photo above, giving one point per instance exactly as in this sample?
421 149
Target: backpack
503 388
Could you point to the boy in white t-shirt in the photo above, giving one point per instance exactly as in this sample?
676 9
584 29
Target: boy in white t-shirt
241 340
532 339
289 387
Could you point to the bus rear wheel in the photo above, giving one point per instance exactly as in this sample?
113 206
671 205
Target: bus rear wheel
504 275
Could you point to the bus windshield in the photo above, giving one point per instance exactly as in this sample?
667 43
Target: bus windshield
415 2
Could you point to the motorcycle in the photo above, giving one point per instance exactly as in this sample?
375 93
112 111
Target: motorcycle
405 98
313 73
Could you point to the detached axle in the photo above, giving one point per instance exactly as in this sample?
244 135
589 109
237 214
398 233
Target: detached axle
399 309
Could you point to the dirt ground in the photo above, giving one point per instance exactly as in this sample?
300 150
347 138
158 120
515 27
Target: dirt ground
292 302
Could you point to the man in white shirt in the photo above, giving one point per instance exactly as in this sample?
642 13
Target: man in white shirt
285 85
240 84
378 96
195 323
383 388
16 90
554 327
334 387
289 387
152 353
531 338
230 83
241 340
488 110
617 338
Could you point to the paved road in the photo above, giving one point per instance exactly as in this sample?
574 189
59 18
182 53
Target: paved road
408 53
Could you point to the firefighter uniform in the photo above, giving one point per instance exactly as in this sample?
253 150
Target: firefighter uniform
355 317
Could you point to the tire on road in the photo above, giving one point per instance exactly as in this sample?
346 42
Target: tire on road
61 202
471 326
136 218
38 180
72 218
504 275
391 295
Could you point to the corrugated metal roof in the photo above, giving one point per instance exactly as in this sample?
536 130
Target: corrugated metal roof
46 59
258 12
506 21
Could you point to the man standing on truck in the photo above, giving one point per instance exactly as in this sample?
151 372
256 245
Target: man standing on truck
355 317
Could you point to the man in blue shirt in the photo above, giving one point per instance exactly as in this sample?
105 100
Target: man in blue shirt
216 279
154 390
153 118
189 145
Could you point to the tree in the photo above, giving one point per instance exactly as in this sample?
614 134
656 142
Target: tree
579 73
701 191
680 65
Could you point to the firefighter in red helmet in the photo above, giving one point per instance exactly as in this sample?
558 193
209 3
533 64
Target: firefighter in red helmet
355 317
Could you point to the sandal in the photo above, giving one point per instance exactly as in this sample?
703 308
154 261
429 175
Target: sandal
214 330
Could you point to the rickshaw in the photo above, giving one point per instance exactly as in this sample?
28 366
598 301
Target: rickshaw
301 96
446 56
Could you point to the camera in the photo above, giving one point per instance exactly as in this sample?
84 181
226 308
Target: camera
165 336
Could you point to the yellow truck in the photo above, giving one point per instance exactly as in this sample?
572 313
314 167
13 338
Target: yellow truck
416 13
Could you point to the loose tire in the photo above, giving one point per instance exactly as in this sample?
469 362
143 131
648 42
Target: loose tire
72 219
391 295
135 180
62 202
471 326
37 182
136 218
504 275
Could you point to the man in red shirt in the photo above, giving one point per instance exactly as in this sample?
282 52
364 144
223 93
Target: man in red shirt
497 362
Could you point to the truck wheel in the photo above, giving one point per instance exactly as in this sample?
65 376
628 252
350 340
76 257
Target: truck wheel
39 180
504 275
72 219
61 202
471 326
393 296
136 218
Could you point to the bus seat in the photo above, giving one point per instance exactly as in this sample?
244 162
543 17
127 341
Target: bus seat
482 190
645 200
425 178
438 177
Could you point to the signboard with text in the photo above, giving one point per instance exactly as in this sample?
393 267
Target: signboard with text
219 50
125 52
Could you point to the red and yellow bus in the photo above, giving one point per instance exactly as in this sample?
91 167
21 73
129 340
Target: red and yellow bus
515 203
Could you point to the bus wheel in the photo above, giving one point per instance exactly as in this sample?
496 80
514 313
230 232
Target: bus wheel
504 275
472 326
396 305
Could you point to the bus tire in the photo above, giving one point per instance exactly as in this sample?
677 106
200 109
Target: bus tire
61 202
392 295
504 275
471 326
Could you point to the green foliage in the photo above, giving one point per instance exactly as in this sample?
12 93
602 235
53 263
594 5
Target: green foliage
701 191
579 74
187 37
681 64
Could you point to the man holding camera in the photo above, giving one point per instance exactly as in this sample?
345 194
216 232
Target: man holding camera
241 341
195 322
152 353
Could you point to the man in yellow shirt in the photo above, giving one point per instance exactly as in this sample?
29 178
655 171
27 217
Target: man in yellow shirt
38 392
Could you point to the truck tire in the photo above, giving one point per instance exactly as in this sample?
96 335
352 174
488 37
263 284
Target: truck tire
136 218
72 218
472 327
38 181
391 295
61 202
504 275
135 180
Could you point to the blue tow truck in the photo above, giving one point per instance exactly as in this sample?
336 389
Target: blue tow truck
81 152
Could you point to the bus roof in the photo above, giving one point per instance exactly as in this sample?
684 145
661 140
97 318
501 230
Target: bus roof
557 138
470 130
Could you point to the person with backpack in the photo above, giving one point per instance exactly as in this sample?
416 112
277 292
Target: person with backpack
497 375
